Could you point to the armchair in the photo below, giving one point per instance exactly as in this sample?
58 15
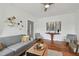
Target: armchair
72 40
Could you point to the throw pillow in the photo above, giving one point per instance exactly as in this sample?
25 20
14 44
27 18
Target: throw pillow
25 38
1 46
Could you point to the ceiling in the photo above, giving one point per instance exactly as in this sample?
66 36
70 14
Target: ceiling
37 9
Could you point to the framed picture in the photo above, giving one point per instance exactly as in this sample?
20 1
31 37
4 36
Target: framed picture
53 26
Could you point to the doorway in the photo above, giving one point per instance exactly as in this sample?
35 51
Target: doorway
30 28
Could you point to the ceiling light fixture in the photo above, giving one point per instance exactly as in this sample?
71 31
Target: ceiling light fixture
46 6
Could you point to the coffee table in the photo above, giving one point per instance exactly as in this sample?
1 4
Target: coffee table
34 52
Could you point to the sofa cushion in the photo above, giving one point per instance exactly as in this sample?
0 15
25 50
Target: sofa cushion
6 52
10 40
19 47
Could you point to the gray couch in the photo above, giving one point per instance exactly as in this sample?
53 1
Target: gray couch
14 46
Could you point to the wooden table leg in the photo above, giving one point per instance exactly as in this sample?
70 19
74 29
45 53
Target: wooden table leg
52 38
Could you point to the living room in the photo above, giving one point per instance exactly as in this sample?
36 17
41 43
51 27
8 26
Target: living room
24 20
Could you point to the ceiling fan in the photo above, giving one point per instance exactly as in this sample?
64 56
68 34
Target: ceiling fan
47 5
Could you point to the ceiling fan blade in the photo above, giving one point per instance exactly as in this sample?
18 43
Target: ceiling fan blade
47 3
45 8
51 3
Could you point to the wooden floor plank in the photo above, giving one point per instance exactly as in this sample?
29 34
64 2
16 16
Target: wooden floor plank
60 46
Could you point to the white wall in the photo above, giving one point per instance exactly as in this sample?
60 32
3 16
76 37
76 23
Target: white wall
77 23
68 23
8 11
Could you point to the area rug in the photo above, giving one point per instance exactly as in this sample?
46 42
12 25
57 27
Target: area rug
54 53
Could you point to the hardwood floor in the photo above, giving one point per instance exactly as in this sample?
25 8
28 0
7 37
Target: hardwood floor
60 46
